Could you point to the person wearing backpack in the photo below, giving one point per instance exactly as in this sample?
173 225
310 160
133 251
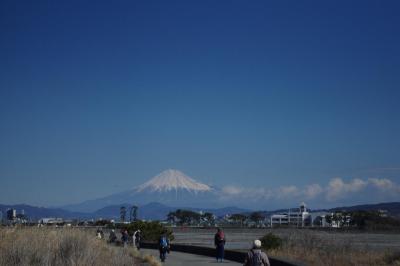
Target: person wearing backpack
163 246
219 242
256 257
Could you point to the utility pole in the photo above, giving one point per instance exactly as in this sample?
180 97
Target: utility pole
122 212
133 213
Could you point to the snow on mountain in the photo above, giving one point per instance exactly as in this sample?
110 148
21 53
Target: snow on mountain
173 180
170 187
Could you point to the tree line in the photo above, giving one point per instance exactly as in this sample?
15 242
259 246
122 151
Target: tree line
365 220
188 217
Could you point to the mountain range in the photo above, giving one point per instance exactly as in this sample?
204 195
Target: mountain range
160 195
150 211
171 187
158 211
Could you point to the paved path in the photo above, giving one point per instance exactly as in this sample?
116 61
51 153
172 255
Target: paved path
180 258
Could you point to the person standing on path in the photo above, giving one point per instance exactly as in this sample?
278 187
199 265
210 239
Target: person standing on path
219 242
256 257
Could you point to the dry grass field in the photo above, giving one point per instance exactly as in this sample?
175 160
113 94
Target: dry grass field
315 249
69 246
66 246
310 247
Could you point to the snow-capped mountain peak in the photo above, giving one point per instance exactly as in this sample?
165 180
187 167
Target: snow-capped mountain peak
173 180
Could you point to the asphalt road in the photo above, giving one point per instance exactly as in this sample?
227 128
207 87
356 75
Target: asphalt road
180 258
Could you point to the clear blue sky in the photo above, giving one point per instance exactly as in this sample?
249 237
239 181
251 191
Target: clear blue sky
98 96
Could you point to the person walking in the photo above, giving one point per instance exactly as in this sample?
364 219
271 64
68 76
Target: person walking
219 242
163 246
112 237
136 239
99 233
125 237
256 257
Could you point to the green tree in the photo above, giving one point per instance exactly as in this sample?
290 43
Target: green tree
239 218
151 231
171 217
184 217
208 217
328 219
256 217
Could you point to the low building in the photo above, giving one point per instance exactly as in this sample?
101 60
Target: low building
279 219
383 213
11 214
51 221
298 217
319 219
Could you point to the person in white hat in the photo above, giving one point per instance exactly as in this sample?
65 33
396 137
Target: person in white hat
256 257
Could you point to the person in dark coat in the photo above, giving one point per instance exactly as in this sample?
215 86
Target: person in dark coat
125 237
112 237
219 242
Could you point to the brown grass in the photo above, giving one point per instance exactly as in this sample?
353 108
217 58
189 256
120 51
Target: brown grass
69 247
314 250
151 260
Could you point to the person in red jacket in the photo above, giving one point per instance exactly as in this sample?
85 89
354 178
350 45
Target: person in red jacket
219 242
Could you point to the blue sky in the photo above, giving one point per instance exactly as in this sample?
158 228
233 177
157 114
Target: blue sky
97 97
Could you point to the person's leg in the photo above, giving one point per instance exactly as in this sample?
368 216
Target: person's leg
163 256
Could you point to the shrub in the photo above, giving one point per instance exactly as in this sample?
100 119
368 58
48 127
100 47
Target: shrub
271 242
151 231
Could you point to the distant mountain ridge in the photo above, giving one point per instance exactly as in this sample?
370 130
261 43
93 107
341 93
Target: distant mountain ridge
39 212
171 187
159 211
150 211
392 207
165 192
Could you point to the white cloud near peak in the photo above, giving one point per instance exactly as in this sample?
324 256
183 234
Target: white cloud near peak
232 190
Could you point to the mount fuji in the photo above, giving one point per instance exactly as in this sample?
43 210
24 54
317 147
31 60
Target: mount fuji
171 187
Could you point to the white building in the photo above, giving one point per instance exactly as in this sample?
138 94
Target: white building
50 221
298 217
320 219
